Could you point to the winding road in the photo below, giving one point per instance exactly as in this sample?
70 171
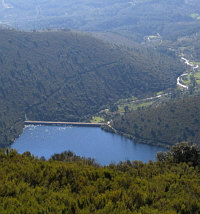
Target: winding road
151 98
179 79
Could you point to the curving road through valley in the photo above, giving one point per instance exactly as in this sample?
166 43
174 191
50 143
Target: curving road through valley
179 79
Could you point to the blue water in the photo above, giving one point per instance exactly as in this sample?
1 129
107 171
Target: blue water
92 142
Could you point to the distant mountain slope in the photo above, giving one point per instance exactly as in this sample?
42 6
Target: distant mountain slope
64 75
176 121
132 18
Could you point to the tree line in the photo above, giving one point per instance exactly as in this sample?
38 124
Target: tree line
70 184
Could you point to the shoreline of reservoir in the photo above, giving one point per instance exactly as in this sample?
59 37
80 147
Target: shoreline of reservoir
89 142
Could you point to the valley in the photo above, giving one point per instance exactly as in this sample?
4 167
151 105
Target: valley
100 106
76 81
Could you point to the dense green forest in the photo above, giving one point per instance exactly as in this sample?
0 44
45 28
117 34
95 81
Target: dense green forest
64 75
174 121
133 19
70 184
188 45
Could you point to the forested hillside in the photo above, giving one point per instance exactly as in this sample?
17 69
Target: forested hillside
134 19
174 121
63 75
149 54
77 186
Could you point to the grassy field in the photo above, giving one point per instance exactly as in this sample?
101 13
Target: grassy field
159 93
195 63
132 106
124 101
197 77
153 37
97 119
186 80
195 16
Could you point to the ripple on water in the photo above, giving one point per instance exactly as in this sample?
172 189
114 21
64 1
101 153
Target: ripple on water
83 141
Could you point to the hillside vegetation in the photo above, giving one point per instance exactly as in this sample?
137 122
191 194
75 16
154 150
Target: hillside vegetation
75 186
174 121
64 75
133 19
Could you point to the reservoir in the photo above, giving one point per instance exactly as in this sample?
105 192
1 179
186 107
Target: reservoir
91 142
